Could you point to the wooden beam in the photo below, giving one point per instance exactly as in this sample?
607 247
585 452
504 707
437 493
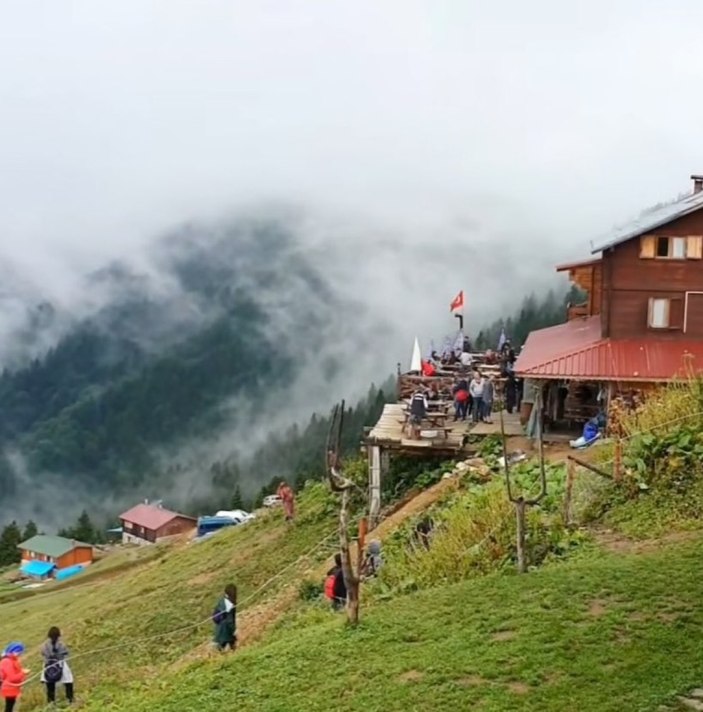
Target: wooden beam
590 467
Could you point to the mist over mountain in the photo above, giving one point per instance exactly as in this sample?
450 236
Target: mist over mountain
211 340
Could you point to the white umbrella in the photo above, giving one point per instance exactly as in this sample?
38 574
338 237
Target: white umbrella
416 361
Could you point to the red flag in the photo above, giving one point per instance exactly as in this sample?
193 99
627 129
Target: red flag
457 302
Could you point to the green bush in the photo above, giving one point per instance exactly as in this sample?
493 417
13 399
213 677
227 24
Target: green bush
310 590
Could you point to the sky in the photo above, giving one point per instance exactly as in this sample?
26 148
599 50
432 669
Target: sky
538 125
430 146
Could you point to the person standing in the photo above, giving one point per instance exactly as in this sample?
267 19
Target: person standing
288 499
335 586
225 619
476 390
418 412
461 399
12 675
56 669
488 394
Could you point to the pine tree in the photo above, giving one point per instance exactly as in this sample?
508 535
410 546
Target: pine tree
237 499
30 530
84 530
9 541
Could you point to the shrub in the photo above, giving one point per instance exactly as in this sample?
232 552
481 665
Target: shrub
474 533
310 590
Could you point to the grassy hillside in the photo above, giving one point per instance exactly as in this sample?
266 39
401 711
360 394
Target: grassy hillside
173 588
606 632
603 623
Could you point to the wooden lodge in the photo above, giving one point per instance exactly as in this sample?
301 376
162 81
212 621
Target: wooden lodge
641 323
151 523
43 555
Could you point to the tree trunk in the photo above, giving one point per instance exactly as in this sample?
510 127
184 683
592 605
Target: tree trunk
520 506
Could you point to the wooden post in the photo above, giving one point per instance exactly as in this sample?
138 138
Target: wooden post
343 485
351 580
617 460
375 458
520 502
570 472
521 554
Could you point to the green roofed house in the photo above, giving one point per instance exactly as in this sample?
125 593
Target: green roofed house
43 555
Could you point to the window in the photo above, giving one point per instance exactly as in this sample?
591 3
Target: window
671 248
658 314
662 247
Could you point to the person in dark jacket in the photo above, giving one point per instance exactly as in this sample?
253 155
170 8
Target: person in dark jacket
226 619
55 655
418 411
339 590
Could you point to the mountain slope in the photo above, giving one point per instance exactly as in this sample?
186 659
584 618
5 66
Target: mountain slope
229 333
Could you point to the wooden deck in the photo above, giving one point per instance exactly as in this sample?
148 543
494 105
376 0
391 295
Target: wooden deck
511 421
388 432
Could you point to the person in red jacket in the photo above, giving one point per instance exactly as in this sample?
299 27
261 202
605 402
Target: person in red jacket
288 499
12 675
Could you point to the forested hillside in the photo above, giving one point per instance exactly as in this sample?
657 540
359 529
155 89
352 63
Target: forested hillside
203 378
211 349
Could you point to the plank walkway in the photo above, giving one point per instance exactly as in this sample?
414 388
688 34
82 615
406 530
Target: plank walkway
511 421
388 431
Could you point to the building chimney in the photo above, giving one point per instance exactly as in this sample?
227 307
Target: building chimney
697 183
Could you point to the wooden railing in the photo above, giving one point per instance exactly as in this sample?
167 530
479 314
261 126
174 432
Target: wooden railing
575 311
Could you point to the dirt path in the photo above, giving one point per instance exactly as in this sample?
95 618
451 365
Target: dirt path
618 543
254 621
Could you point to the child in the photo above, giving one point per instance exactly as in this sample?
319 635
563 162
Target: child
56 670
12 675
225 619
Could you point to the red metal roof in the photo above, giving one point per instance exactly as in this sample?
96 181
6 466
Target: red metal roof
150 516
575 350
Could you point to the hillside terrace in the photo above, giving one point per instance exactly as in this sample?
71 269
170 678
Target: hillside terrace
440 433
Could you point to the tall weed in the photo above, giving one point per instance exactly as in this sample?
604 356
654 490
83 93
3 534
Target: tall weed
474 533
665 408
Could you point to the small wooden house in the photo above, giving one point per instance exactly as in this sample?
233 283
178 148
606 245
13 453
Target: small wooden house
642 320
150 523
43 555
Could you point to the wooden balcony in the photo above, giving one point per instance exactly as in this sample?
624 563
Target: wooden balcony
576 311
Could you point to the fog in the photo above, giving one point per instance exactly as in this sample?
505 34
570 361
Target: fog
418 148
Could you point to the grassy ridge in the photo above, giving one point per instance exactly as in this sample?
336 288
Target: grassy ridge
173 589
602 633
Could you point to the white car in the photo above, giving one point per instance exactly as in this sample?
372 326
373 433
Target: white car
273 500
236 515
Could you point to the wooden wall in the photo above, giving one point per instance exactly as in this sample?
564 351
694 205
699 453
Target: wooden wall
80 555
629 281
179 525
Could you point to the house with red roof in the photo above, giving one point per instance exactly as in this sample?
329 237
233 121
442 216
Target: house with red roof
151 523
641 322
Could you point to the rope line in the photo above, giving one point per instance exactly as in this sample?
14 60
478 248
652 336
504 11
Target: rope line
198 624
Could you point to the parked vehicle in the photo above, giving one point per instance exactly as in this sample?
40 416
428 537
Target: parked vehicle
239 515
273 500
210 525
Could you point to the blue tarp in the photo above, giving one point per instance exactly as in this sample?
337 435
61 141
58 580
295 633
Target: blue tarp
63 574
37 568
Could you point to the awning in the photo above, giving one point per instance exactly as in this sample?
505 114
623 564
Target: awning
575 351
37 568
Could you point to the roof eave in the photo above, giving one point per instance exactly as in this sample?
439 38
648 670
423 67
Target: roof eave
651 226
